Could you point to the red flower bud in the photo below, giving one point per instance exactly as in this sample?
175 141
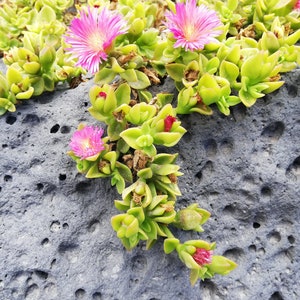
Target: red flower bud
169 120
102 94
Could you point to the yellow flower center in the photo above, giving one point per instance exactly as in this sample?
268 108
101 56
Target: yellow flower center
189 32
86 144
95 41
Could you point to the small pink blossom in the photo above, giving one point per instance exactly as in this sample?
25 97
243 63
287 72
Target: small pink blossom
168 122
92 34
202 256
297 6
193 26
87 142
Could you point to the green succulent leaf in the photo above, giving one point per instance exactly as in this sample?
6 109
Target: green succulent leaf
170 245
176 71
105 75
229 70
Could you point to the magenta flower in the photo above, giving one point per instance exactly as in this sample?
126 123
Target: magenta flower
92 34
193 26
202 256
297 6
87 142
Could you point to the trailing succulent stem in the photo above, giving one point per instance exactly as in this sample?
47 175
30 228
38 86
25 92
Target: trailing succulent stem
218 53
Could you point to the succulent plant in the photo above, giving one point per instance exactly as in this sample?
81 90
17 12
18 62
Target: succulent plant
210 49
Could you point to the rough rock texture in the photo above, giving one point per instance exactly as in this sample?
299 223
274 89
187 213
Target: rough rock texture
56 241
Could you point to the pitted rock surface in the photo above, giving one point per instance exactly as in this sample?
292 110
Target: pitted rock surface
56 238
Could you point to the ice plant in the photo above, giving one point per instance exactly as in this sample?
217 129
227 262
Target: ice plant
193 26
138 122
86 142
92 35
202 256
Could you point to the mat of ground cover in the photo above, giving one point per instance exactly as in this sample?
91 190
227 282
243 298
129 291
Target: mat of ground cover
56 241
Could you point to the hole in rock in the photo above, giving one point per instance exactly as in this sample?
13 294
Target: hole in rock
55 226
4 145
65 247
239 112
274 237
53 263
7 178
80 293
65 226
273 131
54 128
256 225
265 191
229 209
62 177
276 296
45 242
31 118
252 248
295 166
291 239
210 146
83 186
235 254
97 296
32 292
39 186
65 129
292 90
226 146
199 175
11 120
41 274
138 263
296 163
93 226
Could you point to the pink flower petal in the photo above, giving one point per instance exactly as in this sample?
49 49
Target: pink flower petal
193 26
87 142
92 34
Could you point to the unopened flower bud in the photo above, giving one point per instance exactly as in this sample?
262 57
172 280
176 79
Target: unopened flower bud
168 122
221 265
189 219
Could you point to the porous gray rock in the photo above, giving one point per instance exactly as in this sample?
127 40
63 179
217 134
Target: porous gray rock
56 241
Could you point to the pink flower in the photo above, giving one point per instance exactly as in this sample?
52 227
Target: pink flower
87 142
193 26
297 6
91 36
202 256
168 122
